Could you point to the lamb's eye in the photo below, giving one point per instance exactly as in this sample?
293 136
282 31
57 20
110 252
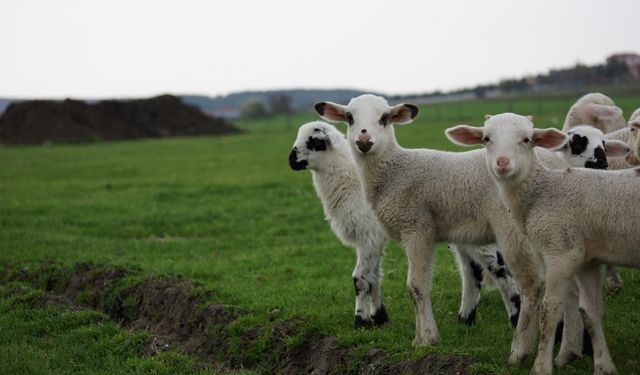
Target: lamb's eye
384 119
349 117
526 140
632 129
485 139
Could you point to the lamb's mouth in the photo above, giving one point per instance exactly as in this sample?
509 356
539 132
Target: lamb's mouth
294 163
364 147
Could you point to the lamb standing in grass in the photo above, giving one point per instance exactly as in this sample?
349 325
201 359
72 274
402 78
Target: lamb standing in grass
321 148
425 196
576 219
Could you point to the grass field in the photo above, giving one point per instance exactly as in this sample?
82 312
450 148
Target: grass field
229 213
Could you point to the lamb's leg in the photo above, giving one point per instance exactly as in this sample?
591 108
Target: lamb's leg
572 333
363 289
420 250
379 316
491 259
471 275
559 276
592 312
613 280
526 269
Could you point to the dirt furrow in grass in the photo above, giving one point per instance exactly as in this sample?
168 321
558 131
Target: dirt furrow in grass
178 313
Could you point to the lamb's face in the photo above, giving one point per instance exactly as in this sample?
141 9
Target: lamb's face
634 140
369 119
586 148
509 140
315 144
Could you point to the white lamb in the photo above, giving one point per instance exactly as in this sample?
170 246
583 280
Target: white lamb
630 135
597 110
576 219
321 148
425 196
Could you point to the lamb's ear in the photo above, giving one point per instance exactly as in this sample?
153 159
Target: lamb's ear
604 112
549 138
334 138
616 149
464 135
403 113
331 111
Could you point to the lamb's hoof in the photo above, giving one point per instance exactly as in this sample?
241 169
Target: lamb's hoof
363 323
565 358
517 358
605 369
380 317
469 319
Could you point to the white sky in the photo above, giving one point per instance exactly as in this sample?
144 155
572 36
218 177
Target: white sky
133 48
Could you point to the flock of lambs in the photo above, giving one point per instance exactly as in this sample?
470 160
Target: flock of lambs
535 209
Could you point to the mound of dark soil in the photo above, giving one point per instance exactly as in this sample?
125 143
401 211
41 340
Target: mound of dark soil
43 121
177 314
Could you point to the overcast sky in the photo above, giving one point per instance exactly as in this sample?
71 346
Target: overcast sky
134 48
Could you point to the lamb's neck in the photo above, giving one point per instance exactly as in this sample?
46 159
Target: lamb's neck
519 195
373 169
335 184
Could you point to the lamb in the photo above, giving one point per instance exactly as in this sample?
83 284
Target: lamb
321 148
597 110
568 217
586 148
424 196
628 134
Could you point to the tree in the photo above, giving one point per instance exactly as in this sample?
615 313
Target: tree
253 108
280 103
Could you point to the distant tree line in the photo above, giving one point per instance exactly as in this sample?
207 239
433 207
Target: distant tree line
612 72
277 103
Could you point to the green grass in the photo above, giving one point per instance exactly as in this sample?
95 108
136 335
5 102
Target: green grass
54 340
229 213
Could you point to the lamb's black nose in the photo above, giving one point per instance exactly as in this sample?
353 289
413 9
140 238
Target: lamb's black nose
294 163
